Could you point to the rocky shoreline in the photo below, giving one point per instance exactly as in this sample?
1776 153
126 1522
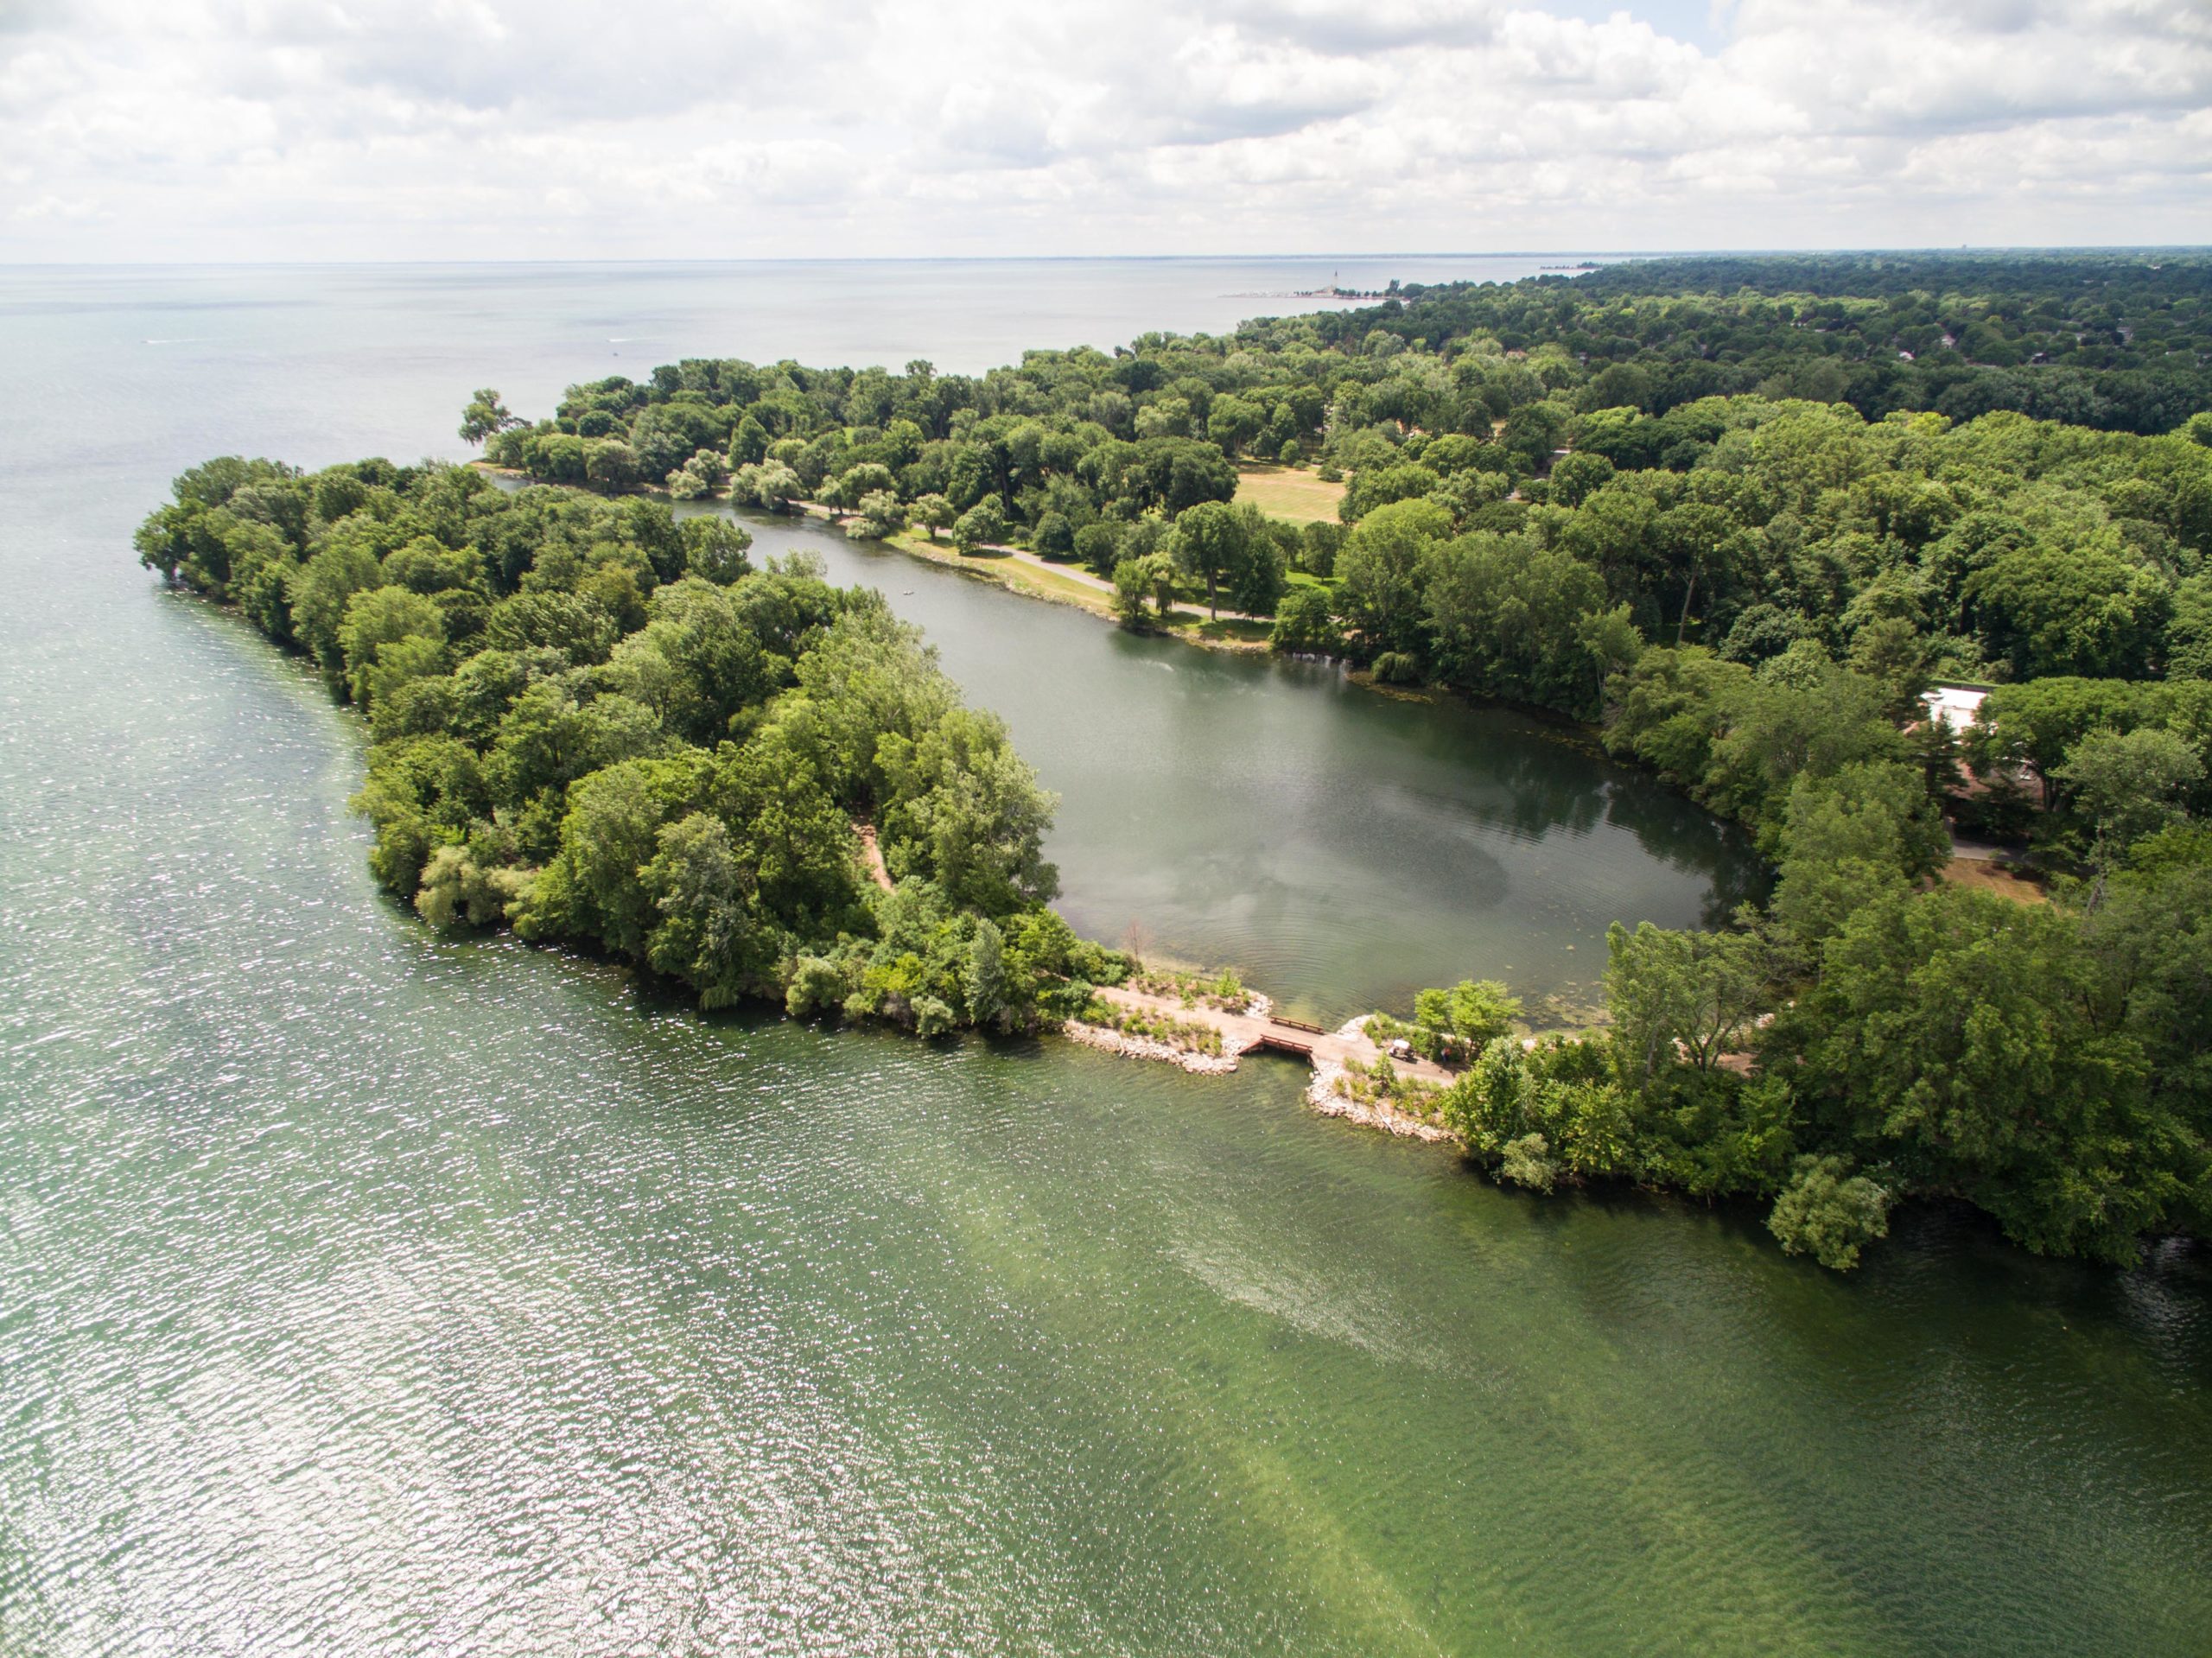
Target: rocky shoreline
1244 1034
1321 1094
1142 1047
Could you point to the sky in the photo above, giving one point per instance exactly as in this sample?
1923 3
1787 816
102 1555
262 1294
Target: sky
320 130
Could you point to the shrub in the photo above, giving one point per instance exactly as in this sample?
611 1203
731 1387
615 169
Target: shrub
1055 537
1524 1163
1829 1213
817 987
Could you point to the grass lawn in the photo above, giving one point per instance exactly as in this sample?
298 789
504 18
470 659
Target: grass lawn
1060 587
1010 571
1224 630
1291 494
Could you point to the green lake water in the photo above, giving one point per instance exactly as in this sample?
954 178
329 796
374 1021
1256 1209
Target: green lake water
362 1291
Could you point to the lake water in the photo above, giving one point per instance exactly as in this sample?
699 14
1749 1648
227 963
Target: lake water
363 1290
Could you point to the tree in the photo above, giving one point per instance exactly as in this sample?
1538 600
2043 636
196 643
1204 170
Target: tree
983 979
1508 619
847 489
1376 487
1232 422
1963 1039
982 526
1219 542
770 484
2076 611
933 512
963 808
1099 547
1576 477
378 623
594 888
749 442
1382 588
1829 1213
1894 653
1536 1113
715 549
2127 783
1680 997
708 934
817 987
321 589
880 517
1525 1163
1852 836
1466 1018
612 465
1306 624
486 417
1133 580
1055 536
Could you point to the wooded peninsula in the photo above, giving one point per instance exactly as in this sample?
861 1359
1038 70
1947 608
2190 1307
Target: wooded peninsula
1738 515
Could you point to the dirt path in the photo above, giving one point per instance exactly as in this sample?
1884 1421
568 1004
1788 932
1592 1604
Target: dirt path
872 855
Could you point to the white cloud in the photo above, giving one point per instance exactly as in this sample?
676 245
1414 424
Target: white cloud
315 129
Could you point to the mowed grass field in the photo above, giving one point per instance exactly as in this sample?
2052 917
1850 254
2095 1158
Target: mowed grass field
1288 492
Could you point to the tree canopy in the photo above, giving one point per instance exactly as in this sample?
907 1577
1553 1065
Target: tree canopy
601 728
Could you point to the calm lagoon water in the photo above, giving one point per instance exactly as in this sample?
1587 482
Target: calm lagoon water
365 1291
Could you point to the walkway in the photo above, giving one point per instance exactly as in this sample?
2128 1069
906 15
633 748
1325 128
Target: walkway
1243 1032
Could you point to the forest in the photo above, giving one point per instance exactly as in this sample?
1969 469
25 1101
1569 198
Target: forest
605 729
1734 515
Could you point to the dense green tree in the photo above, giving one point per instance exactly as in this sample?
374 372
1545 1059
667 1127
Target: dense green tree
933 512
1959 1036
1680 996
1381 570
1508 619
715 549
379 626
2128 784
1829 1213
880 516
1306 624
982 526
1225 545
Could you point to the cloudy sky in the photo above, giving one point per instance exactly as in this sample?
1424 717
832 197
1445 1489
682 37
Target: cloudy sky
462 128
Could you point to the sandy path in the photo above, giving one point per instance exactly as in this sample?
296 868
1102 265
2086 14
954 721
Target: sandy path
872 855
1242 1032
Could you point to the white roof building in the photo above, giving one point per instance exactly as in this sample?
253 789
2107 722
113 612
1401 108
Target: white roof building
1956 706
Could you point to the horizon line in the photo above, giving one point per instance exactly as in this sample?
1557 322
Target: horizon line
1113 258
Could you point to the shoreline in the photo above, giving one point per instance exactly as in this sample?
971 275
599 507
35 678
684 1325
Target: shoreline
1028 575
1335 1056
1323 1098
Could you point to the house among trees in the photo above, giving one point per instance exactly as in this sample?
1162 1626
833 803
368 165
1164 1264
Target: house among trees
1956 706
